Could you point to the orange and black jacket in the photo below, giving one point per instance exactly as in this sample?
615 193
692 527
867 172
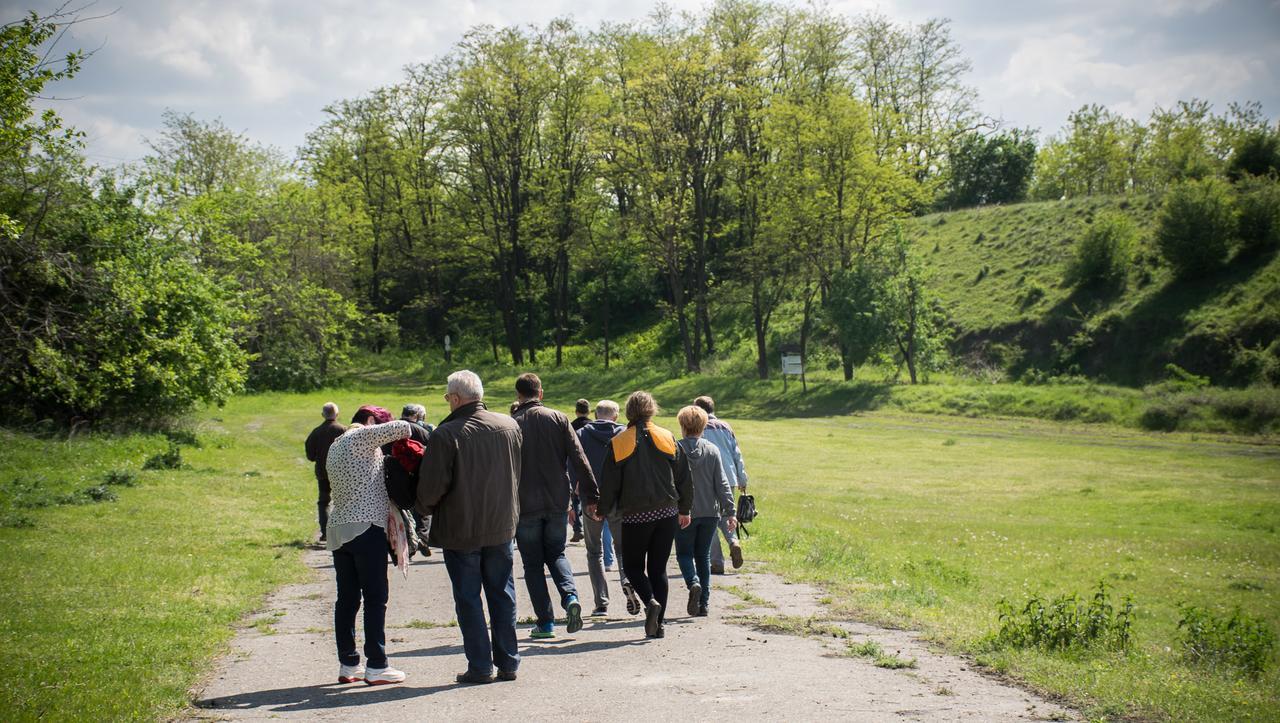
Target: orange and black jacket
644 470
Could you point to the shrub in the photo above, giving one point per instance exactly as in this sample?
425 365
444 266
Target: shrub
120 478
1103 255
1195 226
1241 642
171 458
1259 225
1066 623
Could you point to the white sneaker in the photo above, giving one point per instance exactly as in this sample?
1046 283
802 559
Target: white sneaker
351 673
383 676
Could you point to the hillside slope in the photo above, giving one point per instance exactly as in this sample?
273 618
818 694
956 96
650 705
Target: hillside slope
1001 272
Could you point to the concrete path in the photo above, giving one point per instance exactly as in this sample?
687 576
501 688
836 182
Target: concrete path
734 665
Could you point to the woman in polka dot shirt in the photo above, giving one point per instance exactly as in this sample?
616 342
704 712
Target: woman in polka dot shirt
358 539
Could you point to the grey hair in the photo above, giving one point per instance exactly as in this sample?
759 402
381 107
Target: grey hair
466 384
329 411
413 411
606 409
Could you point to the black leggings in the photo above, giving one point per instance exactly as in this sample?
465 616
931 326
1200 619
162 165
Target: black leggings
652 540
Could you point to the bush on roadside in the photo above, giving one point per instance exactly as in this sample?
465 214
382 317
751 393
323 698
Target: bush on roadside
1240 642
1103 255
1195 226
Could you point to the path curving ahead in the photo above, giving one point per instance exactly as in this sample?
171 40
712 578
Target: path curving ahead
282 664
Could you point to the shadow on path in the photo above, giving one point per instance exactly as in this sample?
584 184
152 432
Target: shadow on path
317 697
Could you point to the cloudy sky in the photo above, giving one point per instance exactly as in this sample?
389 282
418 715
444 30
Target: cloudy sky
268 67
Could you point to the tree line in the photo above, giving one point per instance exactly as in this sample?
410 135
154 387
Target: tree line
532 189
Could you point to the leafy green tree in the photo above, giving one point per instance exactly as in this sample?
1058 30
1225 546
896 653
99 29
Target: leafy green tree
1196 225
991 169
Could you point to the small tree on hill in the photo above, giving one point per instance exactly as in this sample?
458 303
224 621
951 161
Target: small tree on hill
1103 255
1195 226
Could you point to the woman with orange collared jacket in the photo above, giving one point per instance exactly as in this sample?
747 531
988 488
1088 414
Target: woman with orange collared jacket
646 479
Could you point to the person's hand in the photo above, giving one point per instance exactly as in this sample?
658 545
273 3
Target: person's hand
685 521
573 516
592 512
732 523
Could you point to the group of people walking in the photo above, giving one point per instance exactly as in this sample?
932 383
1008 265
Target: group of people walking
487 483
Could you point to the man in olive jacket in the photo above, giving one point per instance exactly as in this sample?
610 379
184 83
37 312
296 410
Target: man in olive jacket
317 445
469 484
550 447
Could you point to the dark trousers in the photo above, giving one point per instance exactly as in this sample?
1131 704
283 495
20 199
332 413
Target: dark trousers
646 548
322 503
361 568
488 568
693 553
577 514
541 540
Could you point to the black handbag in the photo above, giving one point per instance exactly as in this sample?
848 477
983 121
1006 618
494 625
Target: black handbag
746 513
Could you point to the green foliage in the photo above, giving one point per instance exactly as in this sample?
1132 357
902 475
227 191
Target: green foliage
171 458
1104 254
1066 623
1259 223
991 169
1241 642
1256 154
1195 227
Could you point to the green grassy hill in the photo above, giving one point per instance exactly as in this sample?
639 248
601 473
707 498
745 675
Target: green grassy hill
1001 271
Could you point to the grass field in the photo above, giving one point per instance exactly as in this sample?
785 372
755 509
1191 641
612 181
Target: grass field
113 609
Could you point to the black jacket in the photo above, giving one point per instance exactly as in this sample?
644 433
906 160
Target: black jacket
645 469
469 479
318 443
550 447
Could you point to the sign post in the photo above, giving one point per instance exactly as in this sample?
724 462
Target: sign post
793 365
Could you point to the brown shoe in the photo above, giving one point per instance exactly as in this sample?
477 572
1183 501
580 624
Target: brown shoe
472 678
506 675
735 552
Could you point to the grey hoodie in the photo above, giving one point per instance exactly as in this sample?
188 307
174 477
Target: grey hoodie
712 496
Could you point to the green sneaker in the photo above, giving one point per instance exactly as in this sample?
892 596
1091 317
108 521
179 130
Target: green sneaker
573 611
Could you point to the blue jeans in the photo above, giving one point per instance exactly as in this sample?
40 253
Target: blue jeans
608 545
693 553
541 540
490 568
361 569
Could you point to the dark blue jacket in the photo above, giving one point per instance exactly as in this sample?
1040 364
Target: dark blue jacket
594 438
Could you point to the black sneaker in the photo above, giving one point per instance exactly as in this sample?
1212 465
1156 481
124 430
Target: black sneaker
702 611
633 601
473 678
653 620
695 598
600 612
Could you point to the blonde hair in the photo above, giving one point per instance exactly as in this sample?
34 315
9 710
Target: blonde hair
692 421
641 407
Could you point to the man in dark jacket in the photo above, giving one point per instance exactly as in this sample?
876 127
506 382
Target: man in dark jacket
549 448
594 438
581 411
468 483
318 443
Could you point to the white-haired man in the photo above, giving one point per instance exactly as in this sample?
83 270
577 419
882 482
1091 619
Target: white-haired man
469 484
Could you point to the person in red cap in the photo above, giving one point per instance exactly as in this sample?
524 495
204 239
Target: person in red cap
357 537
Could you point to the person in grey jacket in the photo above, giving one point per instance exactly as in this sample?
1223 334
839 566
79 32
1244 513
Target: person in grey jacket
712 501
719 433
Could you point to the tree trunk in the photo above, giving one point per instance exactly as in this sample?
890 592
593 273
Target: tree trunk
761 324
606 319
